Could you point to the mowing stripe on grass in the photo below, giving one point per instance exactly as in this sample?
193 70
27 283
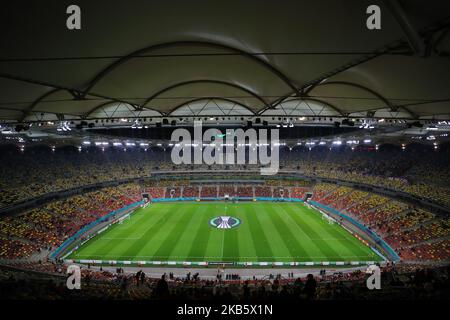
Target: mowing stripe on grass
167 237
186 240
304 221
231 244
349 244
290 240
200 242
135 227
134 248
244 235
262 245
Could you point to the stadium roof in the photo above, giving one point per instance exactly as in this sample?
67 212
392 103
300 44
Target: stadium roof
185 58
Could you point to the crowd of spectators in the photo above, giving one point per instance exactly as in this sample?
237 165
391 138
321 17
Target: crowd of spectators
399 282
46 227
37 171
414 233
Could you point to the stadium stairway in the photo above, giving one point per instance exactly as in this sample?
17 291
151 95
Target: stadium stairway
420 225
430 241
371 209
354 203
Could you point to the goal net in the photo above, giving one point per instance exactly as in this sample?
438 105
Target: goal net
329 219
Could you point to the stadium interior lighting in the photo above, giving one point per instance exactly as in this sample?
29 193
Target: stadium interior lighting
63 126
366 125
6 131
432 128
117 144
130 144
137 124
367 140
337 142
322 143
87 143
143 144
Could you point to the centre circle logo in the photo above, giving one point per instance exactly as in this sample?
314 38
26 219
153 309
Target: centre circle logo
224 222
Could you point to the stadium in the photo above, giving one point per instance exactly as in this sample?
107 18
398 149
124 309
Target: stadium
225 151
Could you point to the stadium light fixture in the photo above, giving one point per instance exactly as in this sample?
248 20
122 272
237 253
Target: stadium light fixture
87 143
322 143
337 142
117 144
367 141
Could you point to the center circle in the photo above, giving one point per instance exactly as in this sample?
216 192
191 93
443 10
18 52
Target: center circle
224 222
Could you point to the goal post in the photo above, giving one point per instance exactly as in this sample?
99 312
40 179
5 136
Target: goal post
329 219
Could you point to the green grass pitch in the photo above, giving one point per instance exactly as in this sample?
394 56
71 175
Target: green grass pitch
269 232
